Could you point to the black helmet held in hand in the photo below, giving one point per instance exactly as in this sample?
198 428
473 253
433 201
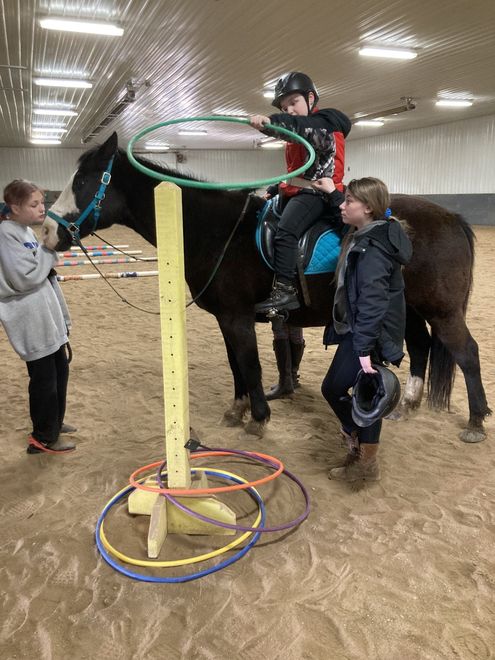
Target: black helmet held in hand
290 84
374 395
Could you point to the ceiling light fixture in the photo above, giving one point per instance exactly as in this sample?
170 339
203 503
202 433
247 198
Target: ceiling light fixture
390 53
269 93
47 141
48 129
193 131
157 147
369 122
454 103
85 27
62 82
408 104
48 124
54 113
55 106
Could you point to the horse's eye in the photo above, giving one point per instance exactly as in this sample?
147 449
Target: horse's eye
78 183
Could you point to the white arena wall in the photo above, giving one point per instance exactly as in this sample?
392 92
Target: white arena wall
452 164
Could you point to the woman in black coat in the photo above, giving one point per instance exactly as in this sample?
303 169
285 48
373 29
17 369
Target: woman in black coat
369 314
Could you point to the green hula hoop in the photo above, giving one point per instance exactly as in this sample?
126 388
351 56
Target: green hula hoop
218 186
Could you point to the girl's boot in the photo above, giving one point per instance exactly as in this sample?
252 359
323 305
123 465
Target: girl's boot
349 440
362 470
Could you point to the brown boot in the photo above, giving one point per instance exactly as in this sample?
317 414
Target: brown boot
362 470
351 442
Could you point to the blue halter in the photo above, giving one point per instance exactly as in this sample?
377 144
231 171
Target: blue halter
93 207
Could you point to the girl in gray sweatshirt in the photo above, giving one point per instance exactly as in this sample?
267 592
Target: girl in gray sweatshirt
34 314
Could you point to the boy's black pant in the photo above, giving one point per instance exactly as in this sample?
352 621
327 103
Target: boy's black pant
299 214
48 378
340 377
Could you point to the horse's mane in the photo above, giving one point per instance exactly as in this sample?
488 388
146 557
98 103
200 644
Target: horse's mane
164 169
87 156
159 167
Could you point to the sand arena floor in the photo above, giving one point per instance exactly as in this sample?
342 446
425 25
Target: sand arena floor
404 570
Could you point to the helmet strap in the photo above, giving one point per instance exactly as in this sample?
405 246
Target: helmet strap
310 108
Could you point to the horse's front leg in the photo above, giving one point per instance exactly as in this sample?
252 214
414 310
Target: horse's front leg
234 415
242 351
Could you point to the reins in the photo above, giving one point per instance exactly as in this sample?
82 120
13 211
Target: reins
76 239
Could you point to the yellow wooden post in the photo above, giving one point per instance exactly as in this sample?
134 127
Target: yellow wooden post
164 517
172 287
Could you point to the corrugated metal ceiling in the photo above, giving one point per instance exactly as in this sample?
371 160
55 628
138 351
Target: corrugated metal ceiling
202 57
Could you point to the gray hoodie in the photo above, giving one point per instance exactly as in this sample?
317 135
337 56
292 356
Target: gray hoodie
33 311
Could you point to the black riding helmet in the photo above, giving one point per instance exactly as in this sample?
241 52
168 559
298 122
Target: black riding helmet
374 395
290 84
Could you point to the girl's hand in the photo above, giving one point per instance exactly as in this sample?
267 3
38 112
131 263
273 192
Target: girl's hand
325 185
365 363
259 121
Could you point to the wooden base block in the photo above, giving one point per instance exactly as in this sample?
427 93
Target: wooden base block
140 502
165 518
180 522
157 532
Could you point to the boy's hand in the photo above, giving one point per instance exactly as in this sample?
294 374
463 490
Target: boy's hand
325 185
259 121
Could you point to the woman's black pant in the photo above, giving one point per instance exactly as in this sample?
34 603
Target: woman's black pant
48 378
340 377
299 214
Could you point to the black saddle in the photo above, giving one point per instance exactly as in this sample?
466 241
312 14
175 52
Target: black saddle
319 247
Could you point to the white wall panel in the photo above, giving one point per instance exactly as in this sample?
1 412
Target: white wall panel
51 168
453 158
48 167
232 165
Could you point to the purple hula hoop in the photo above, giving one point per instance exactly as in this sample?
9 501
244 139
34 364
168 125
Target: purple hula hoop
241 528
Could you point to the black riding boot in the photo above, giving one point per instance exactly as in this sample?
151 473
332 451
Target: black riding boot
283 297
296 352
285 385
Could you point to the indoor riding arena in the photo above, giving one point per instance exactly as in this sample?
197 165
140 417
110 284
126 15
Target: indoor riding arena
272 558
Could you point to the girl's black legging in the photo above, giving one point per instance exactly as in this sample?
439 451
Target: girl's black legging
48 378
340 377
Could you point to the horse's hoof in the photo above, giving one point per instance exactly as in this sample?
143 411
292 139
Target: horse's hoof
395 415
235 414
409 407
255 428
472 435
230 419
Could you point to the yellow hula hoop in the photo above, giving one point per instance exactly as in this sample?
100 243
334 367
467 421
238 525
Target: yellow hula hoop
188 560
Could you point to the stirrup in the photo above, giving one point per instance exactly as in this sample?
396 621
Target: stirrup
282 299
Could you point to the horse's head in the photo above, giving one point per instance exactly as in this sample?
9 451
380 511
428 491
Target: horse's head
76 212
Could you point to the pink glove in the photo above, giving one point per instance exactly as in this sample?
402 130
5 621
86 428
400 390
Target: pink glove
365 363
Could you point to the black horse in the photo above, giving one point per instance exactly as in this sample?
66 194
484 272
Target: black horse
438 279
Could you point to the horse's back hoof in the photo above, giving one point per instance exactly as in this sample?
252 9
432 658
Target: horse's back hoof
395 415
234 415
472 435
230 420
255 428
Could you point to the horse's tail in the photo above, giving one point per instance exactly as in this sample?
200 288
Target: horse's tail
441 375
441 370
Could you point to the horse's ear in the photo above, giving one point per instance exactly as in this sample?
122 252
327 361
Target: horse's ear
109 148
